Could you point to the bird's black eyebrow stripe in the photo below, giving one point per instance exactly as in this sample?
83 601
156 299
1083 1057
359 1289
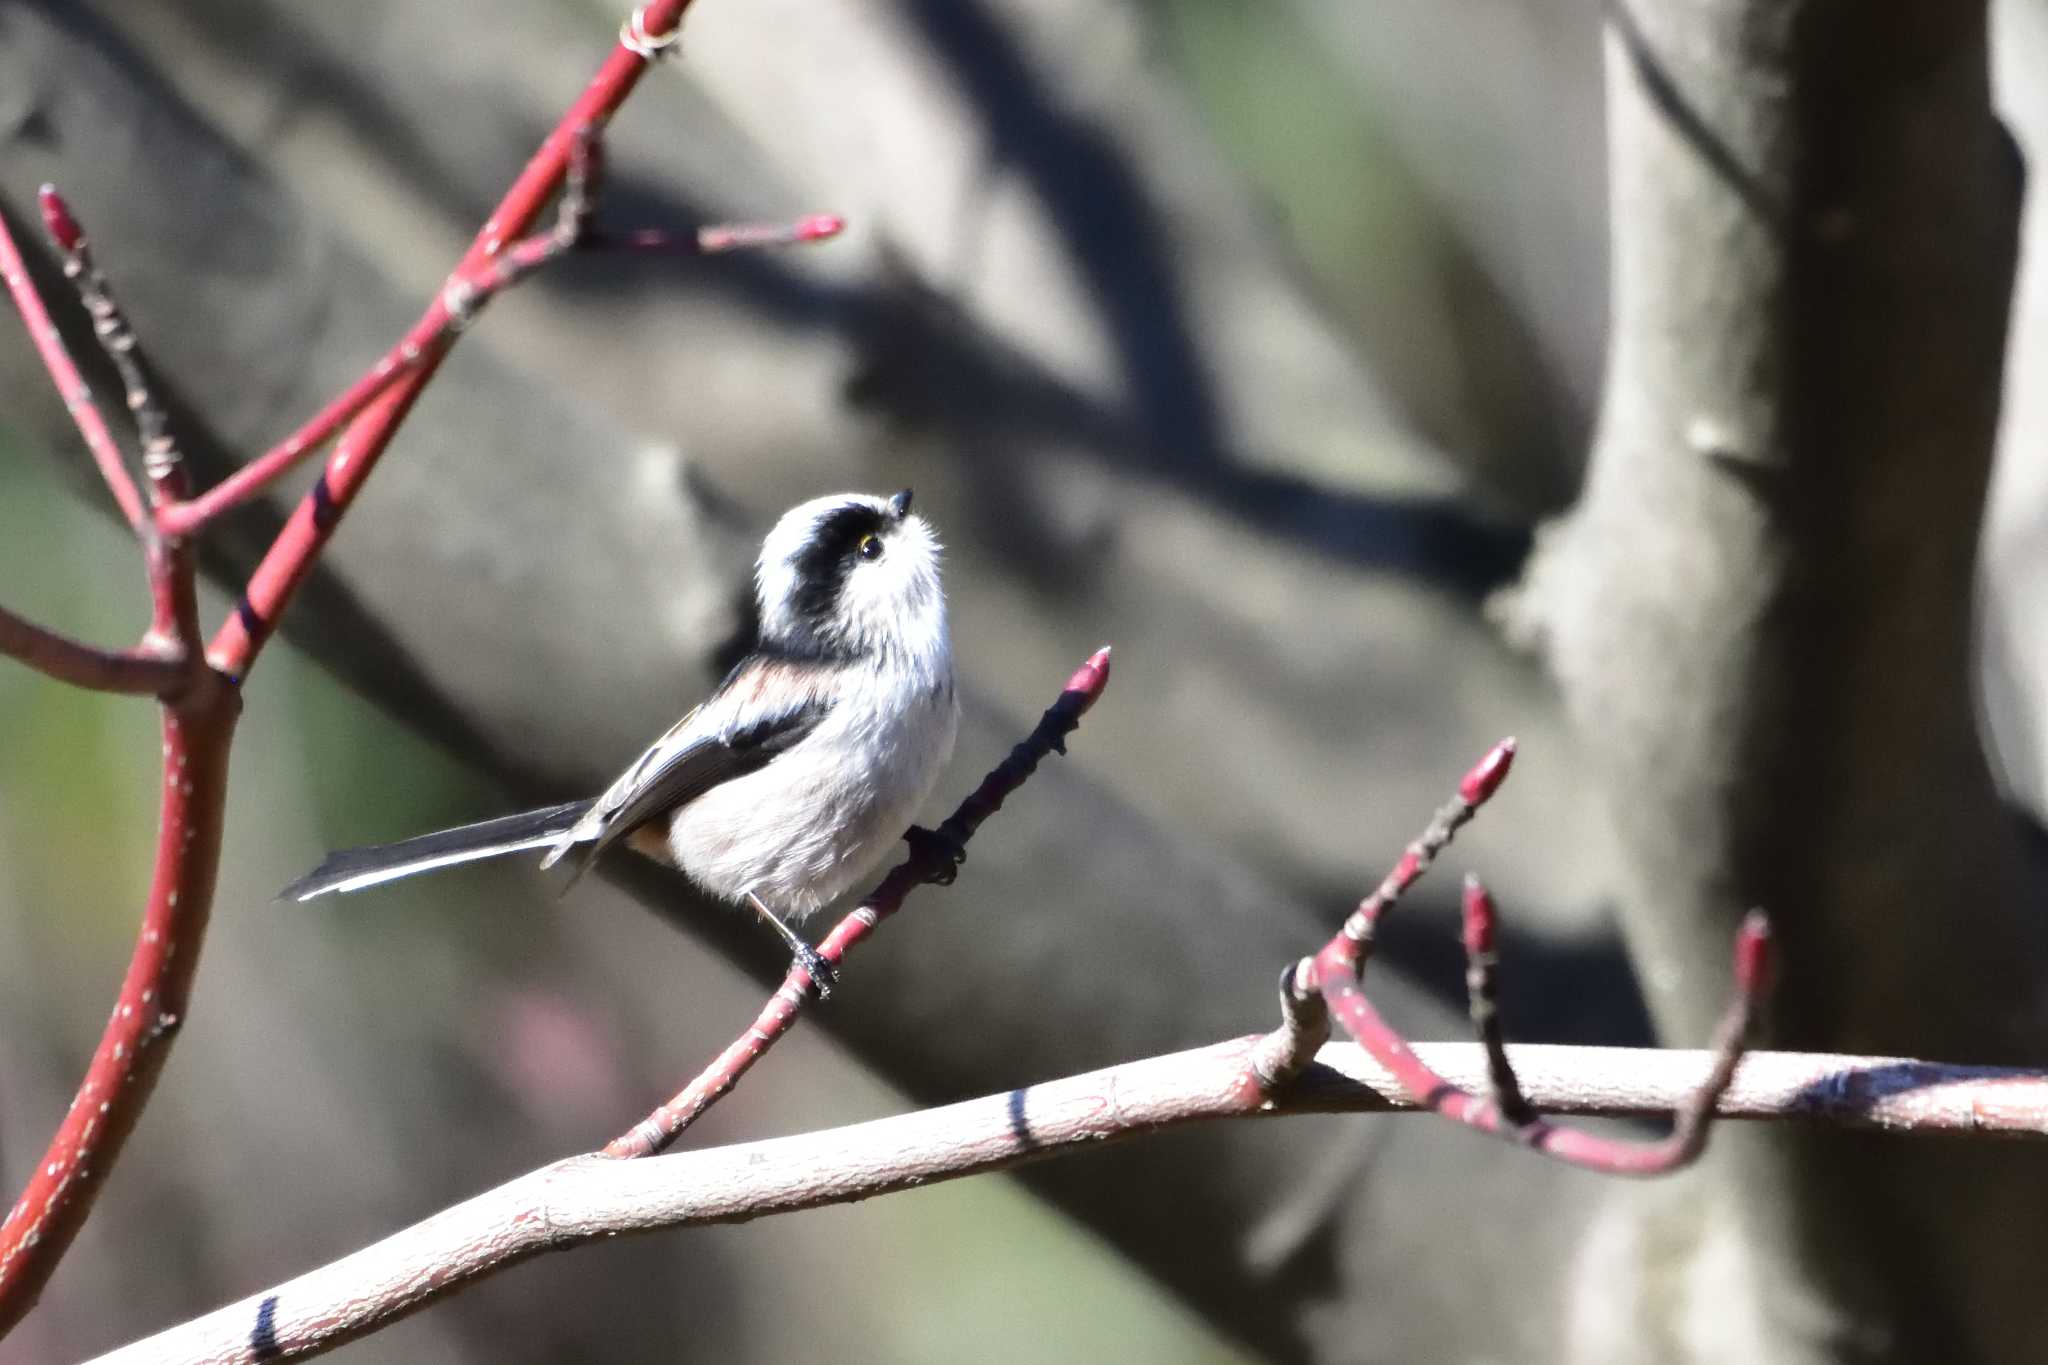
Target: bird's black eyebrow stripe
822 564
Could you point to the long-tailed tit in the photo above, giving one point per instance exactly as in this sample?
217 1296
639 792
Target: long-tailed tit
789 782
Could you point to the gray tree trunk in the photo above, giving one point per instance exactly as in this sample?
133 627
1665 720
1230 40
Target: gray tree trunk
1760 615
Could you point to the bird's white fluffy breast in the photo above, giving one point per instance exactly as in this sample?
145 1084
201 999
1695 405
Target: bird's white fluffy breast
803 829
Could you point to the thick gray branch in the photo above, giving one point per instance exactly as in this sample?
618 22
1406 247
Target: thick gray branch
584 1199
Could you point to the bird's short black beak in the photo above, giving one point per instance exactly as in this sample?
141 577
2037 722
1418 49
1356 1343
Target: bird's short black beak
900 504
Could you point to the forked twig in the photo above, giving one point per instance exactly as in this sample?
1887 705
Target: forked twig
1337 974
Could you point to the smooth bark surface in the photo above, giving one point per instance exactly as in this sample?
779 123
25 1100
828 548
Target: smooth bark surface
1760 614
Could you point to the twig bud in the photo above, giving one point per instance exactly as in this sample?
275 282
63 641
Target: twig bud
1488 773
57 220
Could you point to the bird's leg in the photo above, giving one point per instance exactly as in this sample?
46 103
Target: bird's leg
941 853
822 973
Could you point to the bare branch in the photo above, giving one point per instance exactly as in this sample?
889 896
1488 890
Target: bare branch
588 1198
718 238
133 672
162 463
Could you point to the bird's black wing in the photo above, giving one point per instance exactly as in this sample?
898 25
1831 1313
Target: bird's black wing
765 706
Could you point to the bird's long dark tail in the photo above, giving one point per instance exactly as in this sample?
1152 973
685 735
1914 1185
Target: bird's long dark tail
352 869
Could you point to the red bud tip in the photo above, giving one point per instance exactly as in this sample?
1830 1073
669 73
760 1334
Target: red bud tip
1090 678
57 219
744 236
819 226
1487 774
1480 917
1754 954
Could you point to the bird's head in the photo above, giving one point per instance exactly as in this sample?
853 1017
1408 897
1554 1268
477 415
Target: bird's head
852 574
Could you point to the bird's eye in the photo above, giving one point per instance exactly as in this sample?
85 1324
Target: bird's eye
870 547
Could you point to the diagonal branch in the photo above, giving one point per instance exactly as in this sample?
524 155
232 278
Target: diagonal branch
928 863
461 299
290 558
163 464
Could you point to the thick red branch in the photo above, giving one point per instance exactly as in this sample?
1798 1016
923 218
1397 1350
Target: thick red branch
197 728
926 863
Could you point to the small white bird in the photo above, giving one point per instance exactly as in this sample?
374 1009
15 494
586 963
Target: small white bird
789 783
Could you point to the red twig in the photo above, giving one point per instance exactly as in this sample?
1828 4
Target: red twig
239 640
71 385
88 666
174 598
1337 972
162 463
1482 1001
925 864
461 299
719 238
470 293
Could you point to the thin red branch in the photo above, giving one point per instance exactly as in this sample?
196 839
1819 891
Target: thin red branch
718 238
134 672
290 558
71 385
1338 972
584 1199
173 584
461 299
163 465
1482 1002
926 864
1473 792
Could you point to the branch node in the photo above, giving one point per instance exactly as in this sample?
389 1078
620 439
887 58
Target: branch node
1278 1057
649 47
